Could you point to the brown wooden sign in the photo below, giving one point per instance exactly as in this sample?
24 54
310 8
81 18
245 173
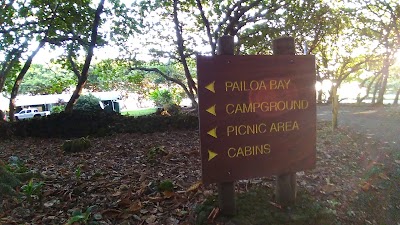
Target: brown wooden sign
257 115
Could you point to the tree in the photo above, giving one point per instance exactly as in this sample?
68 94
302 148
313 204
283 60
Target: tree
178 30
12 45
39 23
42 80
379 21
311 23
83 75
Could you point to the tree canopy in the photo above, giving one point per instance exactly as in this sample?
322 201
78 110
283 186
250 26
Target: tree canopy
158 41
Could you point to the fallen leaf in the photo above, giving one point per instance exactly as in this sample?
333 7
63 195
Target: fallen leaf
151 219
168 194
111 213
384 176
366 186
194 186
118 193
156 199
136 206
213 214
124 202
275 204
329 188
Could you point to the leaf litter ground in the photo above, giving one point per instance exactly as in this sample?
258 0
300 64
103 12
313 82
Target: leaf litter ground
356 181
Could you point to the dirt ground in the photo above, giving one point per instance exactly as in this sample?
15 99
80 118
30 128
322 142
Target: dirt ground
376 122
119 179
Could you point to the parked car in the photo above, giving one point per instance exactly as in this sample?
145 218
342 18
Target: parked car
30 113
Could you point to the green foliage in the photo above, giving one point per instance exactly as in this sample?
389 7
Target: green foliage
32 190
57 109
78 172
40 80
87 103
76 145
81 217
254 209
58 21
15 165
166 185
203 210
8 182
155 152
162 97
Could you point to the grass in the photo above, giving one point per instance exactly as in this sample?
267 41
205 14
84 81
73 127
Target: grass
254 208
139 112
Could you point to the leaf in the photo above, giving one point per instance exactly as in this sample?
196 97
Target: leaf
118 193
329 188
213 214
275 204
136 206
168 194
156 199
111 213
366 186
151 219
194 186
384 176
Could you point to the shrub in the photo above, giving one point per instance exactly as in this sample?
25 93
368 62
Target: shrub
57 109
6 130
76 145
161 97
166 185
173 109
87 103
84 123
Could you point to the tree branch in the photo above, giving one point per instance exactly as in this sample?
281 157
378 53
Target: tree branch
207 25
181 50
73 64
165 76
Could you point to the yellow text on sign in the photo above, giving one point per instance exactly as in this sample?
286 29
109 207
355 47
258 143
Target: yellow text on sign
249 150
272 106
256 85
261 128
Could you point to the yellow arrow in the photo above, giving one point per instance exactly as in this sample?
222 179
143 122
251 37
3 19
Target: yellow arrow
212 110
213 132
211 155
210 87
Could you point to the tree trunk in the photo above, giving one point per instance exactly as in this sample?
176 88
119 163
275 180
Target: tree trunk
18 80
396 99
84 74
335 107
361 99
376 88
319 96
181 51
385 75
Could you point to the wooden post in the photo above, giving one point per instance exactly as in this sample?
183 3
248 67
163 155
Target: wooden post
285 190
226 190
